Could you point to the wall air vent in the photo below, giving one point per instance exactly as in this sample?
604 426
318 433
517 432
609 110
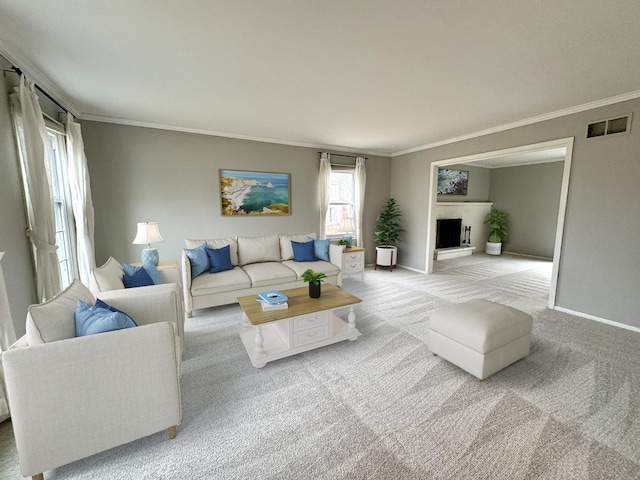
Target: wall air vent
611 126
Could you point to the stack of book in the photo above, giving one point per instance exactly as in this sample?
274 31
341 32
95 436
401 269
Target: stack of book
273 300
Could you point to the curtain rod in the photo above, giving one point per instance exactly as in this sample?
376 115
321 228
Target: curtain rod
17 70
347 156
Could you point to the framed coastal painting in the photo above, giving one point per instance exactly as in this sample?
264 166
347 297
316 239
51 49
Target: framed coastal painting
245 193
452 182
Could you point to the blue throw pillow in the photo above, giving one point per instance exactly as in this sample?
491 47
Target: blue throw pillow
219 259
320 248
90 320
303 251
135 276
199 259
152 270
101 304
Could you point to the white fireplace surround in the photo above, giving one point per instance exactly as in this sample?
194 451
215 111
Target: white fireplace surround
472 214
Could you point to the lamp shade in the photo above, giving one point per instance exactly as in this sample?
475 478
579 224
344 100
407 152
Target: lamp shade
148 233
346 225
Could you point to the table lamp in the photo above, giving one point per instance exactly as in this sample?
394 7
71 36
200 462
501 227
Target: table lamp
148 233
346 225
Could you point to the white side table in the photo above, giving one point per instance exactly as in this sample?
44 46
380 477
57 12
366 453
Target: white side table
353 261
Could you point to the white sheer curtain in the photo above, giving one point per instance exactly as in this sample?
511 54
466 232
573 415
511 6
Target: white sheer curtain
33 144
324 188
7 337
81 203
361 182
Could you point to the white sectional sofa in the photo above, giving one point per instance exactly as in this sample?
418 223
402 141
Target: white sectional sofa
259 264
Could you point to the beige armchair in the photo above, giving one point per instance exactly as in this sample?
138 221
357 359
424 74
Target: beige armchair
106 283
72 397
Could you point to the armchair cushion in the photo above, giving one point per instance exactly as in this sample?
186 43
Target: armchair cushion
108 276
54 319
135 276
91 319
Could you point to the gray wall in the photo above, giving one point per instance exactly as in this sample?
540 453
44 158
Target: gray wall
143 174
16 262
531 196
599 270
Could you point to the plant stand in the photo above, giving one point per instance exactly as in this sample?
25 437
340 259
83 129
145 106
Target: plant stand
386 257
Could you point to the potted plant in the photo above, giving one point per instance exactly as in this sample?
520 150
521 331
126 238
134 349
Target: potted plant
498 221
314 279
387 233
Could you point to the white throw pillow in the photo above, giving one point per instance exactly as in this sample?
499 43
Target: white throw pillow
258 249
286 250
109 276
218 243
55 319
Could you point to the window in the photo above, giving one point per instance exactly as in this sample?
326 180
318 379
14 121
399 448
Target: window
56 165
341 203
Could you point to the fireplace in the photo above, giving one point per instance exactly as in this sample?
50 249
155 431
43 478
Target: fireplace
448 232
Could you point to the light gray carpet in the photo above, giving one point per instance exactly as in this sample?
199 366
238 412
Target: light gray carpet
383 407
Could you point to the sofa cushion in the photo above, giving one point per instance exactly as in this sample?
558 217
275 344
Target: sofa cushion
109 276
54 319
320 248
135 276
90 320
198 258
220 282
286 250
303 251
219 259
258 249
218 243
327 268
269 273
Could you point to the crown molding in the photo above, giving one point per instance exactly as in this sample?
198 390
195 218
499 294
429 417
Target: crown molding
527 121
34 74
214 133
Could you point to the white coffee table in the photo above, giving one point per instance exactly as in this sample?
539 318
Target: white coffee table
308 323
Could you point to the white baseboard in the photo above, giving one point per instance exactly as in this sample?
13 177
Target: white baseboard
411 269
597 319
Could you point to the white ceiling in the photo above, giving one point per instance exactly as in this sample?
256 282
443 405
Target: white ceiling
369 76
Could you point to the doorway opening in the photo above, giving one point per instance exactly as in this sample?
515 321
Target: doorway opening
566 143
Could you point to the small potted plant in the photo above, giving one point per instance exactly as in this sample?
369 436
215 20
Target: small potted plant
387 233
314 279
498 221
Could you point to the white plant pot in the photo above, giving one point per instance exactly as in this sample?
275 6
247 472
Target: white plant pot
386 256
493 248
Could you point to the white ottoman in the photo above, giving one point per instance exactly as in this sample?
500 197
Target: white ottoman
480 336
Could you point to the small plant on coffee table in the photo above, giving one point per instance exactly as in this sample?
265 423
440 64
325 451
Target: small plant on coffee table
314 279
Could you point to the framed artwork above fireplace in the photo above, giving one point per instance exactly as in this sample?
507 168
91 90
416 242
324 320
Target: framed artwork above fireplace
452 182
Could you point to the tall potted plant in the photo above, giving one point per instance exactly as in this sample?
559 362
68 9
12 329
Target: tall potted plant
387 233
498 221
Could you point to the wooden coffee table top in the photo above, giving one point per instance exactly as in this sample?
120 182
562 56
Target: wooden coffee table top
299 303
